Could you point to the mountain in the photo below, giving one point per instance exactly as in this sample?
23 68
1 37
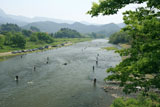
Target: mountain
121 25
37 19
87 23
4 18
2 13
21 20
52 27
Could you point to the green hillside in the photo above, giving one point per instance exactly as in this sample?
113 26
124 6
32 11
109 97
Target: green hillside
53 27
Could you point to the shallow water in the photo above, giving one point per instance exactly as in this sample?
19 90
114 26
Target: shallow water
55 84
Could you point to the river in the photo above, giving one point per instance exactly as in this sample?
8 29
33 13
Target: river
66 81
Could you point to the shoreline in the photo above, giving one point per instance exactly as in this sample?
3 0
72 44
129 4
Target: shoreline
6 55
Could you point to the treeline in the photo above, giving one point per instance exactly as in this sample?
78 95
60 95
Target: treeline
14 36
120 37
96 35
67 33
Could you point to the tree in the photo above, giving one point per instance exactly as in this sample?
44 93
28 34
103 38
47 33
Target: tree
110 7
40 36
1 41
141 66
19 40
8 36
27 33
96 35
10 28
33 38
34 29
67 33
119 37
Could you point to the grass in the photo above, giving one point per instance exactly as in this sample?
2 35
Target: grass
110 48
32 45
152 100
125 46
73 40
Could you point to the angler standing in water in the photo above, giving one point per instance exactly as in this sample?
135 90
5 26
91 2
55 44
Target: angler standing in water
97 58
96 62
95 80
16 78
93 68
47 58
34 68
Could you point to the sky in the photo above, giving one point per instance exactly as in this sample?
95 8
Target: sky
74 10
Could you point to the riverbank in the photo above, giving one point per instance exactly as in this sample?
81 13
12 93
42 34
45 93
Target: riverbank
124 46
31 47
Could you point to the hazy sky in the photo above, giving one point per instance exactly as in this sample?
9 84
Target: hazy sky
61 9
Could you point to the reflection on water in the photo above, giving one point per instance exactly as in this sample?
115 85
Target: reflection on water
58 78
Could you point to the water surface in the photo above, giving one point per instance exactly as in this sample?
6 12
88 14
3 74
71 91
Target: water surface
55 84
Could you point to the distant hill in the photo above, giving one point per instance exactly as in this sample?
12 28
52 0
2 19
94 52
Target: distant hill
4 18
121 25
21 20
52 27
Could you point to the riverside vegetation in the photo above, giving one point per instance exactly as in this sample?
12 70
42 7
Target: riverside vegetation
12 37
140 69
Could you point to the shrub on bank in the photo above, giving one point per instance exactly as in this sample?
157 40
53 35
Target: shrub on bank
153 100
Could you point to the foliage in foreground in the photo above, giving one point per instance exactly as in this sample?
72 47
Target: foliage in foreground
141 66
152 100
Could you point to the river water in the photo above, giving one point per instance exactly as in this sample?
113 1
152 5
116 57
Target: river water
56 84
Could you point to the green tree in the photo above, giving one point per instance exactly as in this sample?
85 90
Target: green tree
67 33
19 40
34 29
119 37
8 36
141 66
1 41
10 28
40 36
27 33
33 38
152 100
96 35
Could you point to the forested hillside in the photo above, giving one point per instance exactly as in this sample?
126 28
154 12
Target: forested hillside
53 27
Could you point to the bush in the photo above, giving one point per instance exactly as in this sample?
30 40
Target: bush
119 37
2 39
67 33
152 100
40 36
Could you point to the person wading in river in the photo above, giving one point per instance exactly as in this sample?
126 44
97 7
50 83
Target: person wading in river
34 68
16 78
93 68
96 62
95 81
